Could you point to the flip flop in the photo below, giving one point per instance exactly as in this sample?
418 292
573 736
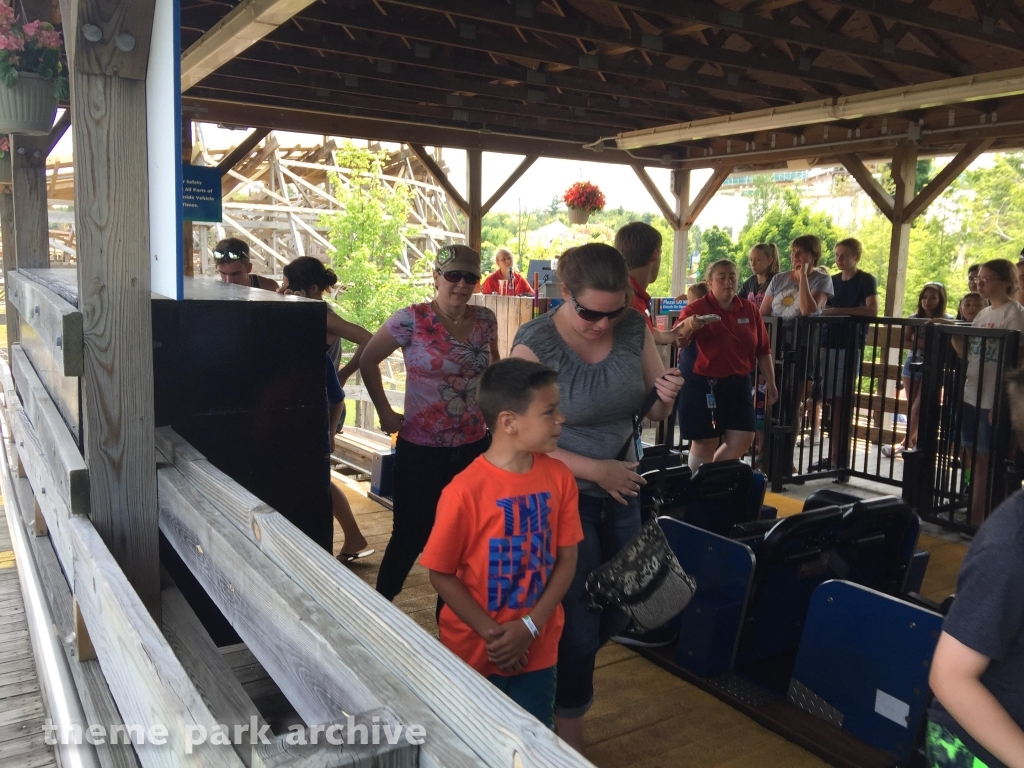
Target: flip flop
345 559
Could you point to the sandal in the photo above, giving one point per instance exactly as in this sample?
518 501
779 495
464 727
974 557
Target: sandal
345 558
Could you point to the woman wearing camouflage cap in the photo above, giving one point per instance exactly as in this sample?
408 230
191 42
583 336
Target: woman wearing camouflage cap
447 343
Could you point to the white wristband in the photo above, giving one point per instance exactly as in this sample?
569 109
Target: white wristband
531 626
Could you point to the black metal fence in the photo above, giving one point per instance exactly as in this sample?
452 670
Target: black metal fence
883 399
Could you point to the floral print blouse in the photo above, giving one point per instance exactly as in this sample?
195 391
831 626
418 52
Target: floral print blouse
441 372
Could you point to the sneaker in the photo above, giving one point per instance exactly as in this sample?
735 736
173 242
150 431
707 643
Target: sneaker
824 465
889 451
655 638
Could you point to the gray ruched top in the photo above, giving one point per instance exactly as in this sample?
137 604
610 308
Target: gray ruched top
598 400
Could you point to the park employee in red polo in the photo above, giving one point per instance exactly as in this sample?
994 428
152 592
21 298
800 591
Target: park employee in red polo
716 406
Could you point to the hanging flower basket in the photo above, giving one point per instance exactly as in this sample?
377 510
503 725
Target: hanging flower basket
32 74
578 215
29 107
582 199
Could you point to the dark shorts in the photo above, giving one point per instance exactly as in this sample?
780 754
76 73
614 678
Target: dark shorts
975 429
734 407
533 691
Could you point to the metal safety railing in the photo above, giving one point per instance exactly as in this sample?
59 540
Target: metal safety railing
883 399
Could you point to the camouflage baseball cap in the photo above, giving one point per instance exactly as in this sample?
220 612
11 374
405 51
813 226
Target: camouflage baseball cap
458 258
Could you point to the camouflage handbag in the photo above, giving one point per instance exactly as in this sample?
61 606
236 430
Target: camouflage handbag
644 580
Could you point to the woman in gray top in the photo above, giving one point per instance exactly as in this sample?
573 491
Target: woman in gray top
607 362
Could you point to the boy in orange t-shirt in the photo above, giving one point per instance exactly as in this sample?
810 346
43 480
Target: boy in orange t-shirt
502 552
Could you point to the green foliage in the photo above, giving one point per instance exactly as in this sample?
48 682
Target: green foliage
786 219
367 237
712 245
978 218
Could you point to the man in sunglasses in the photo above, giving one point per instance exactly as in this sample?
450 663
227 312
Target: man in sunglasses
232 259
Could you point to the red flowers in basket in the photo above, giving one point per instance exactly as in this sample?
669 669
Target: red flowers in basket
584 195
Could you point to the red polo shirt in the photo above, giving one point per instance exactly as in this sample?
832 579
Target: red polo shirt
731 346
642 302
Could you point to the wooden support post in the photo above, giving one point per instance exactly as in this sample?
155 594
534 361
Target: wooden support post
681 234
945 177
242 151
904 173
108 98
441 177
31 225
872 188
10 247
188 245
671 216
38 521
84 649
474 188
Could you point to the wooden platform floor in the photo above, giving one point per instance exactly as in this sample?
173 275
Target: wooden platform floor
21 704
643 717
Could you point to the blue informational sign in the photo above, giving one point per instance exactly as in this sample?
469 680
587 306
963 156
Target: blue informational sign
201 194
671 305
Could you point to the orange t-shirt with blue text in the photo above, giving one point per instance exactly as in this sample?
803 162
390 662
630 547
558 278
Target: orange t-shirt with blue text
499 533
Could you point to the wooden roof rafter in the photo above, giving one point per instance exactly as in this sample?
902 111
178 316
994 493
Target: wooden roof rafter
711 14
635 38
353 72
738 90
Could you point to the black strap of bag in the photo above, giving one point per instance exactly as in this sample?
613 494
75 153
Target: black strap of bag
608 545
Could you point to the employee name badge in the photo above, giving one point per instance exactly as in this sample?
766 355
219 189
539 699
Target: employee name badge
742 321
711 400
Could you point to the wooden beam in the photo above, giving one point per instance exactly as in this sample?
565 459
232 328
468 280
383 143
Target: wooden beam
236 112
440 177
354 751
918 15
114 298
291 48
66 467
59 129
511 46
58 324
242 151
145 677
8 236
318 665
247 22
636 39
32 229
32 462
904 173
945 177
711 13
318 89
711 186
517 174
681 235
125 31
209 672
512 87
474 188
655 193
84 649
871 186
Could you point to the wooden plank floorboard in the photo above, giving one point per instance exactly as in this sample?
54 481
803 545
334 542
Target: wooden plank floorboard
21 705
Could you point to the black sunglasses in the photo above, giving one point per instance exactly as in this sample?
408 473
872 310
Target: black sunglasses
227 256
592 315
455 275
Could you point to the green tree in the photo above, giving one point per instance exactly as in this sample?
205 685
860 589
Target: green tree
712 245
367 236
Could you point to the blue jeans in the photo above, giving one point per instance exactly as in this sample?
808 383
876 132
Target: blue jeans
533 691
586 631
